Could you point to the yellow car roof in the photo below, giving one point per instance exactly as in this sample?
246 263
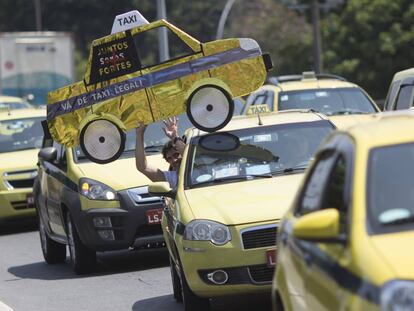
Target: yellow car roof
11 99
281 117
22 113
307 84
387 128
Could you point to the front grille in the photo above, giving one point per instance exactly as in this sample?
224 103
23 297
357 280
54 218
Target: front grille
261 273
18 205
21 183
264 236
148 230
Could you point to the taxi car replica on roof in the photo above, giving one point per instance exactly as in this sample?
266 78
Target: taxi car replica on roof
344 102
93 207
20 140
401 91
124 83
234 186
346 242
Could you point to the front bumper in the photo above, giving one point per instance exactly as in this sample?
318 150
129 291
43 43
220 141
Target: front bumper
247 268
129 225
14 203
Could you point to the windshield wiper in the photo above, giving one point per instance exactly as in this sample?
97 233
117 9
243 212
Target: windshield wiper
234 178
342 112
399 221
153 148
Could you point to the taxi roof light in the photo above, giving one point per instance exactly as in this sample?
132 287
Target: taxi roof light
127 21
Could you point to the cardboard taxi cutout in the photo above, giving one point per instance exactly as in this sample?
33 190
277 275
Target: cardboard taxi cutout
121 87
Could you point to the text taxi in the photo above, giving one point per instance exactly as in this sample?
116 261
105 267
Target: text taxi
234 186
125 83
346 242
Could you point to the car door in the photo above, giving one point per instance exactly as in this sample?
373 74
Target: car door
295 256
172 77
55 173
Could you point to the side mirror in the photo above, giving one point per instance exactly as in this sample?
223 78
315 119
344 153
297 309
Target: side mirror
320 226
48 154
161 188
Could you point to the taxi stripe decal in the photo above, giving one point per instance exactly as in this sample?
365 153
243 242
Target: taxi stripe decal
148 80
343 277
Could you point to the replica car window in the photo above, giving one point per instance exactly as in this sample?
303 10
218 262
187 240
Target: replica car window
258 152
148 47
404 100
316 184
154 138
328 101
20 134
390 195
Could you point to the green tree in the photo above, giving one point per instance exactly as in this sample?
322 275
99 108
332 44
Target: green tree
278 30
368 41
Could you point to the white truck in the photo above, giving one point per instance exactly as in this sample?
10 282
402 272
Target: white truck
34 63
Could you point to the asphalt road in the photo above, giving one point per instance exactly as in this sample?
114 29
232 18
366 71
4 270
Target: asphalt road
125 280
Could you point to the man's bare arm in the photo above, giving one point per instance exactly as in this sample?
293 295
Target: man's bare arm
153 173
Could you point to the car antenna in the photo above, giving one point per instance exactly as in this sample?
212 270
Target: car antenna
259 119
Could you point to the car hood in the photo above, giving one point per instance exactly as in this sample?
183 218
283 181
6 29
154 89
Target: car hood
344 121
246 201
18 160
122 173
396 250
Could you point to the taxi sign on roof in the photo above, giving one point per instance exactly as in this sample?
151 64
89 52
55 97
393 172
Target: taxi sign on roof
127 21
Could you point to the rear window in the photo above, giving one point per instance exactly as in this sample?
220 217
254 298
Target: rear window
328 101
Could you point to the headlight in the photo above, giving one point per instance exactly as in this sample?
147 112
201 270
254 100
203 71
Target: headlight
397 296
94 190
207 230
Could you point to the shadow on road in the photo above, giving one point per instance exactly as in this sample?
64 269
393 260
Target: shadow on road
245 303
18 226
108 263
162 303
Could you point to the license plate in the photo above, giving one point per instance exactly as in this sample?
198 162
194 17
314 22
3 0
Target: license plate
154 216
30 199
271 258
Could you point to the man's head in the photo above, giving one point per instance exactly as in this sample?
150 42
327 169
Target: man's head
171 155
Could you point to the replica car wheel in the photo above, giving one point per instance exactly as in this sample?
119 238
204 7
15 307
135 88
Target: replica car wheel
175 282
53 252
83 259
102 141
210 108
190 300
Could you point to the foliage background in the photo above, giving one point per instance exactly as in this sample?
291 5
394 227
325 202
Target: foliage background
366 41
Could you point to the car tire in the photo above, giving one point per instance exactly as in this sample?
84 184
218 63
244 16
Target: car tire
210 108
176 283
190 300
83 259
53 252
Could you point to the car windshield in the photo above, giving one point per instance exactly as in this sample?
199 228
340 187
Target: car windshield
20 134
259 152
154 138
328 101
390 199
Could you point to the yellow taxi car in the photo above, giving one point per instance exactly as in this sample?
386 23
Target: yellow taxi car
13 102
345 244
344 102
401 91
125 83
92 207
234 186
20 140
